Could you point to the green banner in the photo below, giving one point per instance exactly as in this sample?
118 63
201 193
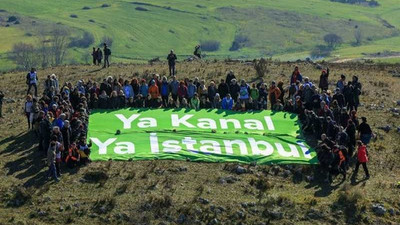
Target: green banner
264 137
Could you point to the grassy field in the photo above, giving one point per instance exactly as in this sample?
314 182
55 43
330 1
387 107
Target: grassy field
175 192
285 29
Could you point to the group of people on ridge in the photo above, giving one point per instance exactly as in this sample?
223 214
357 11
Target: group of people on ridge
60 116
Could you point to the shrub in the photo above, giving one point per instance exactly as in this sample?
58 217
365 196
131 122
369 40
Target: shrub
105 5
17 22
82 42
320 51
12 19
141 9
261 67
239 42
210 45
333 40
92 21
73 16
86 8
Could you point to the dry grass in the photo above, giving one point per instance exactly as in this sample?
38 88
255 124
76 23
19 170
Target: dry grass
118 191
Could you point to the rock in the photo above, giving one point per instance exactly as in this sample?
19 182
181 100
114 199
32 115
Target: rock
214 221
61 209
286 173
9 100
244 205
392 212
395 110
314 214
228 179
204 201
42 213
275 170
240 170
378 209
276 214
386 128
241 214
309 178
181 219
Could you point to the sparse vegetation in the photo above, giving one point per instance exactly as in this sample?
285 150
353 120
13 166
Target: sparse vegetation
84 41
210 45
333 40
188 191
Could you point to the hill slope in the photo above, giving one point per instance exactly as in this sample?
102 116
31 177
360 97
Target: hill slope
286 29
174 192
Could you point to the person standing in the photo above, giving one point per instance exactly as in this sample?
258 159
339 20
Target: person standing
171 62
324 80
94 56
362 158
107 53
1 104
364 131
32 80
51 161
273 94
197 51
99 56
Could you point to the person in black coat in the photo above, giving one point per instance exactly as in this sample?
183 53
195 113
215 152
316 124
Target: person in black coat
234 89
171 62
229 77
223 89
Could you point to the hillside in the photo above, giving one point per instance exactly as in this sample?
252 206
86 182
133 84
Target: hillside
179 192
286 29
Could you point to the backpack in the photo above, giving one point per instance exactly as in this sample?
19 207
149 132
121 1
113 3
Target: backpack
108 51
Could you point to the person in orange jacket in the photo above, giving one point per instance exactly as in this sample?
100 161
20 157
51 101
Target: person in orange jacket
273 94
73 157
362 158
153 90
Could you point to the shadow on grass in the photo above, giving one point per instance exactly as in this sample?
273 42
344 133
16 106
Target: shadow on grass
27 163
321 186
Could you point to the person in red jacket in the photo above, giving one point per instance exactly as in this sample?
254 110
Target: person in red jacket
362 157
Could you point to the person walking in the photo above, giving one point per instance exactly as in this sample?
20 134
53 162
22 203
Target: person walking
107 53
171 62
362 158
32 80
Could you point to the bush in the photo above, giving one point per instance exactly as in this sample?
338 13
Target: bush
12 19
141 9
73 16
239 42
17 22
320 51
105 5
210 45
333 40
82 42
92 21
86 8
261 67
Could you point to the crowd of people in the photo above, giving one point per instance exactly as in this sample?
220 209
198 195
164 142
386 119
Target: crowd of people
60 116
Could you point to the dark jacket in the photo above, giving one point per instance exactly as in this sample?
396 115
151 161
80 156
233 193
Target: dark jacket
323 80
171 58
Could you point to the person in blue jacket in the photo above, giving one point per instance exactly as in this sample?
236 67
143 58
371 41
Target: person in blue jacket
227 102
164 91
